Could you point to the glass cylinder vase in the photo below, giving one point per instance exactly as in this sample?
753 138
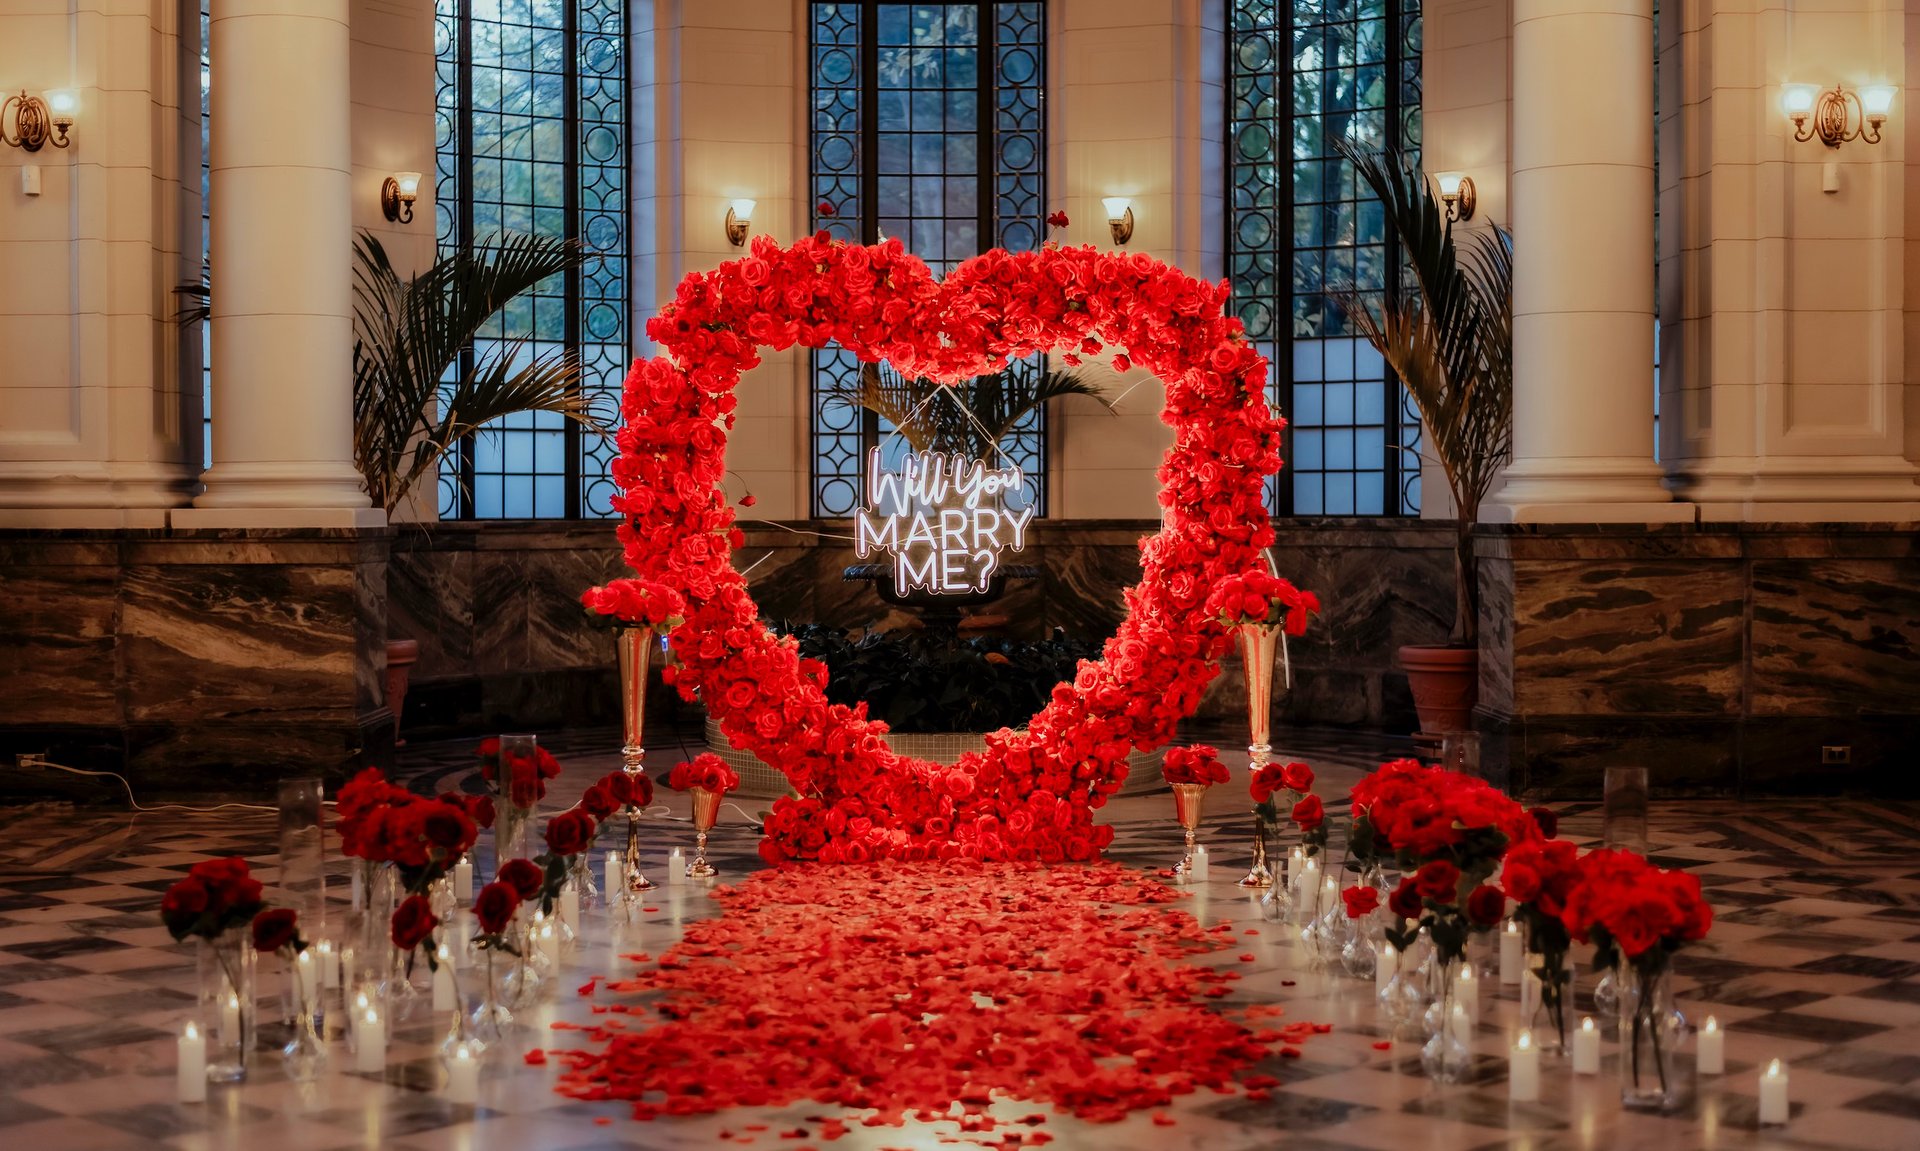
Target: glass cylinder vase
1549 1023
304 1052
224 966
1649 1035
1447 1056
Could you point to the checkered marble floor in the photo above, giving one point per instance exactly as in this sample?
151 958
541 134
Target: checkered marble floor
1814 959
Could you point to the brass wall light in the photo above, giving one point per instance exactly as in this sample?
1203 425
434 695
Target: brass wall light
397 195
739 222
30 122
1838 116
1456 192
1119 218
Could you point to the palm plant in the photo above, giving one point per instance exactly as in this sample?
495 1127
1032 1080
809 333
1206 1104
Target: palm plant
410 404
1450 341
972 417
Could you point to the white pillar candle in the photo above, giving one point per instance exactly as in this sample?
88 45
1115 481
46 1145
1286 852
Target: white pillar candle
371 1056
463 881
1586 1048
1296 859
1512 955
1200 866
1385 966
309 975
329 963
1523 1070
676 868
347 982
1530 988
463 1076
443 996
1712 1056
362 1004
1466 989
1773 1094
1462 1026
547 937
616 877
190 1071
230 1019
570 906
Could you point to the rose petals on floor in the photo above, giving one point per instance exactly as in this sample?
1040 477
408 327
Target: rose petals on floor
928 991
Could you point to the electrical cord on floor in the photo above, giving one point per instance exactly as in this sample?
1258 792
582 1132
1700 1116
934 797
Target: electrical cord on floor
41 761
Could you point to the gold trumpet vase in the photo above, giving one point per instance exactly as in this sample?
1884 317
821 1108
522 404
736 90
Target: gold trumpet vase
1187 798
1259 642
706 813
636 649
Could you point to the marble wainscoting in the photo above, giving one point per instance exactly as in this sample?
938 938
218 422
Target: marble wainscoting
1722 657
193 660
503 639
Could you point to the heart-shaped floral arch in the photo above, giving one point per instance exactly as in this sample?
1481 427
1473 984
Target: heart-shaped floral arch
1031 793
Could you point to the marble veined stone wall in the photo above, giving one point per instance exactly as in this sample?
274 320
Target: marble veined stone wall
1722 657
504 639
194 660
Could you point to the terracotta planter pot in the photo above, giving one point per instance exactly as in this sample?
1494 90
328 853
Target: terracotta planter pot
1446 685
402 654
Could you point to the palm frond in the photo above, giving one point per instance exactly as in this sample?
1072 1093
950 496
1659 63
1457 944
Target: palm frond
411 401
973 417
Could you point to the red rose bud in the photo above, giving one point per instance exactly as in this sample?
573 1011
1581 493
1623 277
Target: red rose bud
1360 900
494 906
413 922
274 929
1057 220
825 208
748 500
524 876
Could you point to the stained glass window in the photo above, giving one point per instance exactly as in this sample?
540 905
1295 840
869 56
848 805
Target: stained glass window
926 123
1303 75
532 136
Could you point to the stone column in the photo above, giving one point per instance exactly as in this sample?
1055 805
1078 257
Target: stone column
1582 193
282 216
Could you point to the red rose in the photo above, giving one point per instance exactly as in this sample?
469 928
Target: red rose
826 209
182 906
1405 900
598 801
1437 880
748 500
1547 821
1309 813
274 929
1486 905
1521 881
481 809
1360 901
448 827
495 905
230 883
1057 220
571 832
1297 777
524 876
413 922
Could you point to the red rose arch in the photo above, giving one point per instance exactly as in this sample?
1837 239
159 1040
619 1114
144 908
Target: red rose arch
1032 793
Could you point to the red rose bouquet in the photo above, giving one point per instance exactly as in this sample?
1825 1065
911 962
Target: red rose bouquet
1538 875
1260 597
637 603
706 771
215 897
1637 914
421 836
1198 763
522 780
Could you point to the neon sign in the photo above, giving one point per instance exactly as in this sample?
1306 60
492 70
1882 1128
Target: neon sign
941 518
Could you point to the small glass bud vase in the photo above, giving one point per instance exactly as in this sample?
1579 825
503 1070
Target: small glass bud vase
305 1054
224 968
1649 1036
1447 1058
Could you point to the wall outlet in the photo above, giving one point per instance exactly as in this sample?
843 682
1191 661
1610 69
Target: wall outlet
1836 755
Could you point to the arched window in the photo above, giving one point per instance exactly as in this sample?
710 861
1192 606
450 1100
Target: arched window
1302 75
532 136
927 122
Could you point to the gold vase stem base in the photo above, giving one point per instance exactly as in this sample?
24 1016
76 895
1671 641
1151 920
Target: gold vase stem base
1257 879
699 868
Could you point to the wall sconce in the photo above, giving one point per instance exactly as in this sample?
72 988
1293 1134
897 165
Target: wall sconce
1456 192
397 195
1119 218
1838 115
30 122
739 221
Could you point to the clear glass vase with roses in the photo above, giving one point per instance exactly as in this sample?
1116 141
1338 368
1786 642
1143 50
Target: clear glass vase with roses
215 905
1538 875
276 931
1637 916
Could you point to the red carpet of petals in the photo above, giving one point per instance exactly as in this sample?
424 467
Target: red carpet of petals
900 989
